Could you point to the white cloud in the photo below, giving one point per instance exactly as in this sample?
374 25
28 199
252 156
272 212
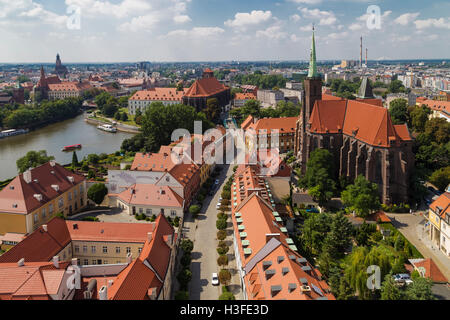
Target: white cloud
28 11
198 32
295 17
325 18
243 19
122 9
142 23
355 27
306 28
337 36
406 18
182 19
274 32
307 1
443 23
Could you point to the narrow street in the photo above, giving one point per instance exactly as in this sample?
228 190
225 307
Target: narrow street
202 231
412 227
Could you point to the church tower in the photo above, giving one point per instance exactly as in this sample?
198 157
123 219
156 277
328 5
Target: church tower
312 92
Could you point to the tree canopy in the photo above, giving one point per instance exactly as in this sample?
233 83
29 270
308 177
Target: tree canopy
361 197
33 159
399 111
97 193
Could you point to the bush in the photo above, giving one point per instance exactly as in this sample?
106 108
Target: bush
222 216
186 260
183 278
200 198
224 276
222 261
221 224
227 296
141 217
187 246
97 193
182 295
176 222
194 210
221 235
222 251
226 194
94 219
223 244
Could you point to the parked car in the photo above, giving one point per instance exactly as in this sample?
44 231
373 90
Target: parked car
403 278
215 279
217 181
312 210
218 206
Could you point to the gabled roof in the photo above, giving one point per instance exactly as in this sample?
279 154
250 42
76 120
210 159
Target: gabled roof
159 94
431 270
328 116
443 204
284 125
365 90
19 196
205 87
247 122
40 245
151 195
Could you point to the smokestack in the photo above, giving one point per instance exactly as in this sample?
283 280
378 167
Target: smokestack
361 53
367 50
103 293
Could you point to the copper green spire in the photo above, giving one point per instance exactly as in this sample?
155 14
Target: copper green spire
312 63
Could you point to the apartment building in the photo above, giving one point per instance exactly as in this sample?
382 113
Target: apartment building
439 223
270 267
270 133
142 99
101 255
38 195
270 98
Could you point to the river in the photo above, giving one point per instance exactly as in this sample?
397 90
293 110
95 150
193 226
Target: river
53 138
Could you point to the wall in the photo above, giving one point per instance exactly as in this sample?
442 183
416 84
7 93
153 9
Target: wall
112 257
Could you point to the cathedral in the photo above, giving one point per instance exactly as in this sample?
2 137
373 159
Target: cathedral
60 70
360 135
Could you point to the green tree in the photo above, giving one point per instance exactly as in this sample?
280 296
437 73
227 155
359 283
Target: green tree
314 232
124 117
117 115
33 159
319 177
339 238
227 296
184 277
221 224
399 111
194 210
396 86
390 290
441 178
362 197
212 110
187 246
97 193
75 162
419 117
222 261
420 289
182 295
93 158
224 276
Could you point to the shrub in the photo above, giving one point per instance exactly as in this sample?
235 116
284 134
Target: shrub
194 210
94 219
182 295
222 216
222 251
200 198
221 224
227 296
222 261
97 193
221 235
187 246
223 244
184 277
224 276
176 222
226 194
186 260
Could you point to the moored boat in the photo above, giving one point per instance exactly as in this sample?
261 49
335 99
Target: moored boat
107 128
72 147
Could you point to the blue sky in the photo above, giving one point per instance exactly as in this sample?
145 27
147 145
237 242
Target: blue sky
212 30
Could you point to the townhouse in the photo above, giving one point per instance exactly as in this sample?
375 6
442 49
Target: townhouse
44 274
439 223
270 267
39 194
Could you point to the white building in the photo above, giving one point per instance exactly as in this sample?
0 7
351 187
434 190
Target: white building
142 99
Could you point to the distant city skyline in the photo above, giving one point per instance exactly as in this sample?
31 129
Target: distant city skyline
214 30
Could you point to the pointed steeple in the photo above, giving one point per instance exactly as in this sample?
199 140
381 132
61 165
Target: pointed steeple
312 62
365 91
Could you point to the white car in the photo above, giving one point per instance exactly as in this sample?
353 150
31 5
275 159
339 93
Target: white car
218 205
217 182
215 279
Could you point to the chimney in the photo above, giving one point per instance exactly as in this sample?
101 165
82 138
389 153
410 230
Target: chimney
110 283
27 176
129 258
44 226
103 293
149 236
52 163
74 261
21 262
56 262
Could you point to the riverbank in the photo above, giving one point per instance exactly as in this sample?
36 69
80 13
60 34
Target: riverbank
53 138
120 126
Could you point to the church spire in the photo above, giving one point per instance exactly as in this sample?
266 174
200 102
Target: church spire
312 63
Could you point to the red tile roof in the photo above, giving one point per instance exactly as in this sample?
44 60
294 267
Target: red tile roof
245 96
159 94
19 196
151 195
431 271
284 125
437 105
205 87
443 203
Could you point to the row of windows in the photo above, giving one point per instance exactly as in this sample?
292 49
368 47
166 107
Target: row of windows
104 249
149 212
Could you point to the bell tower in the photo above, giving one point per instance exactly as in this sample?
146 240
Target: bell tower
312 92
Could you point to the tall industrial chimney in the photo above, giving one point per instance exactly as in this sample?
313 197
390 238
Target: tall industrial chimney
367 50
361 53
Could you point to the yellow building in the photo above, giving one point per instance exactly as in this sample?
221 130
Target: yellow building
38 195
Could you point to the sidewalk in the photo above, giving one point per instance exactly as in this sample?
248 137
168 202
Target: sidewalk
412 227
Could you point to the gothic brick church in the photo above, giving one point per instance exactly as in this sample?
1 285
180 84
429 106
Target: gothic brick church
360 135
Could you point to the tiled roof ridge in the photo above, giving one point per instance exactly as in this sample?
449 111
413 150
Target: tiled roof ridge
26 281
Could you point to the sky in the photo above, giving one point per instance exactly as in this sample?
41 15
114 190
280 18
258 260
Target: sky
221 30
